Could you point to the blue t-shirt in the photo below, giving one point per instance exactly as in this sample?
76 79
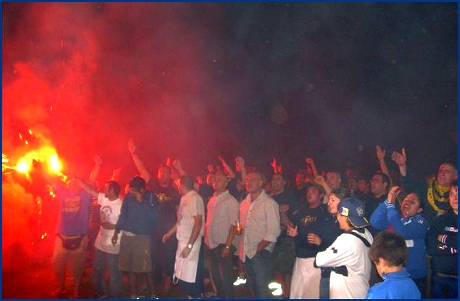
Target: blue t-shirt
74 211
396 285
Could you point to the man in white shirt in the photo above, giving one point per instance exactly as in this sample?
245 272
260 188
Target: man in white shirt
260 219
106 255
189 267
221 218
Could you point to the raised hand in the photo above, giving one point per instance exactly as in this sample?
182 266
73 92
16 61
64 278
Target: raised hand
379 152
399 158
273 164
393 193
132 147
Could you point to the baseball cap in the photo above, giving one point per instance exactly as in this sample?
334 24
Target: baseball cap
353 208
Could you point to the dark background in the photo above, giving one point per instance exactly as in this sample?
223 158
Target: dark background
196 80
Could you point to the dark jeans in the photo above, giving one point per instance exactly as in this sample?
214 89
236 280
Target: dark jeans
164 257
258 274
105 261
222 271
324 283
444 287
421 284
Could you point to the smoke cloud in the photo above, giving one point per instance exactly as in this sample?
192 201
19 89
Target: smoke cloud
196 80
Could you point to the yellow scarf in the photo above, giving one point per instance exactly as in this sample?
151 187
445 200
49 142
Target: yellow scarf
438 196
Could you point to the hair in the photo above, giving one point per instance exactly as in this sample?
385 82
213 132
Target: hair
454 166
187 181
317 186
454 183
114 186
420 198
137 182
390 246
342 193
385 178
283 176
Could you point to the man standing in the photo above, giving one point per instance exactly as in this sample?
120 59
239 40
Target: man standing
189 267
72 238
315 229
106 255
163 255
260 219
221 217
137 220
283 256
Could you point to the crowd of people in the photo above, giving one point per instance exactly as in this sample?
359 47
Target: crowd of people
328 235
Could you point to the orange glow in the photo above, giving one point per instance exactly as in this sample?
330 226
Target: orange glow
46 155
22 167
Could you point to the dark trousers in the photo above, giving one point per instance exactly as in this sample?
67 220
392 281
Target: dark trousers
258 272
444 287
222 271
107 262
164 257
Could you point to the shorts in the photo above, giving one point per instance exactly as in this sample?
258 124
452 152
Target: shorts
135 254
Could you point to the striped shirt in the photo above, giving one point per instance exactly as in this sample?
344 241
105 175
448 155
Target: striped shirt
260 220
222 212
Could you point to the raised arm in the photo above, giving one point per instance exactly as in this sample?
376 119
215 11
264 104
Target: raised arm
380 153
87 187
115 174
321 181
312 164
241 167
400 159
227 168
137 161
175 175
96 168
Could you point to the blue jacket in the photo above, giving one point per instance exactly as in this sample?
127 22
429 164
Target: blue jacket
396 285
413 229
138 217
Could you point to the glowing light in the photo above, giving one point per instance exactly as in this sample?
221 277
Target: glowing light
20 136
22 167
54 163
30 132
46 155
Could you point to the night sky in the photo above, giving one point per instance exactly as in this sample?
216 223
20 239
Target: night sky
196 80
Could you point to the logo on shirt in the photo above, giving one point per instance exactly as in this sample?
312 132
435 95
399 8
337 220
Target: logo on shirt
308 219
71 204
163 197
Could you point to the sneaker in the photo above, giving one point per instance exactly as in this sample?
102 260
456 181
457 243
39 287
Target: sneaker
239 281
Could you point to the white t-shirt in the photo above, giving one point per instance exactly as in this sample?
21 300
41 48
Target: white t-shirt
348 250
110 211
